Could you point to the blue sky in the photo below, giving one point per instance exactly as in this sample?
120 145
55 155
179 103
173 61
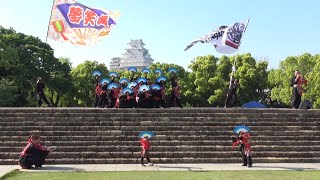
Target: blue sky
277 29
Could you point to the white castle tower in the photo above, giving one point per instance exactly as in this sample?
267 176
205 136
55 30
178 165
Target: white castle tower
136 55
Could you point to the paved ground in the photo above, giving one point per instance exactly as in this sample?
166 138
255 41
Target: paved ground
4 169
166 167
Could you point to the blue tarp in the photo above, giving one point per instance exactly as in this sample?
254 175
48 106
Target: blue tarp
253 104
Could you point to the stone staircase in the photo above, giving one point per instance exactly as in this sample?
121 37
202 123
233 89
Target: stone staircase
189 135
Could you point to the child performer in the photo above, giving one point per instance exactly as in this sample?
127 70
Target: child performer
33 154
245 148
145 143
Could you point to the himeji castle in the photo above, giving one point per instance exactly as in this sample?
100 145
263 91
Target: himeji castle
136 55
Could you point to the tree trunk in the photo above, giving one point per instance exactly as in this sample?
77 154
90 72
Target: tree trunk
57 100
51 98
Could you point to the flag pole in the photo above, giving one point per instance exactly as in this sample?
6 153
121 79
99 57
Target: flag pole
49 21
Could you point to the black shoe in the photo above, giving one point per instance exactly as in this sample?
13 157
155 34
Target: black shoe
244 165
249 166
26 167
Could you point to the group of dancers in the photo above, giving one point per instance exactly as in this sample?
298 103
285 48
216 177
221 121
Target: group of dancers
136 93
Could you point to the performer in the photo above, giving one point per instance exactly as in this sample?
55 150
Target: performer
34 153
297 82
232 93
123 85
245 148
145 100
127 100
98 92
103 102
175 92
162 84
157 97
113 96
40 92
145 153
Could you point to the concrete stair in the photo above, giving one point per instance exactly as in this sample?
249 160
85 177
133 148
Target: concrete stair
189 135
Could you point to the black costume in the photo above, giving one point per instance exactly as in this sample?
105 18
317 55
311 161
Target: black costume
158 100
175 93
296 96
232 94
41 95
145 100
127 101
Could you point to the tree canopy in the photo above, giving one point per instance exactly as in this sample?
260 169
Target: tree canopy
24 58
280 78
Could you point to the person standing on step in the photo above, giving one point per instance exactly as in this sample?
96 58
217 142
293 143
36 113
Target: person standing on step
40 92
98 92
33 154
104 97
145 153
245 147
175 92
232 93
297 82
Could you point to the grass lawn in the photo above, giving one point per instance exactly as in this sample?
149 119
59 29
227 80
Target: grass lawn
215 175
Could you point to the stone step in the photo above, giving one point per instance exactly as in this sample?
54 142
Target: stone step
172 110
153 123
167 160
156 120
256 148
227 143
162 118
160 134
154 128
159 137
175 154
161 114
89 135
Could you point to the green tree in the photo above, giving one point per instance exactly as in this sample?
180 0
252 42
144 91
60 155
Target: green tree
60 84
280 78
32 59
314 83
8 92
211 75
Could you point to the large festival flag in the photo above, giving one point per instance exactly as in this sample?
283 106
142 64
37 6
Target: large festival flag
231 38
226 39
214 37
78 24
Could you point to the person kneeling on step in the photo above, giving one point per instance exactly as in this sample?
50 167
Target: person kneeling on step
145 143
34 153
